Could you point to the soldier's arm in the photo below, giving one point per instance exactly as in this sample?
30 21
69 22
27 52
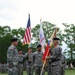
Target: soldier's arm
49 57
10 55
34 58
65 61
56 53
26 56
50 51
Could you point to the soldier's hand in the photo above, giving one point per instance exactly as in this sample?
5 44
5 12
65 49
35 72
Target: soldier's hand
47 57
10 64
34 66
29 51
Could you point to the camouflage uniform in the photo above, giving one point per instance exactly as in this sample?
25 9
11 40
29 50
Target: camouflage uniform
29 64
0 68
12 60
21 64
38 62
56 61
63 59
49 63
49 67
5 67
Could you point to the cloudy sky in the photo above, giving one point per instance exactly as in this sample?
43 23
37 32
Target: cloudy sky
15 12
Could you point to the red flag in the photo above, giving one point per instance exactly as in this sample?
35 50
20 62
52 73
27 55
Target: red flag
46 53
49 45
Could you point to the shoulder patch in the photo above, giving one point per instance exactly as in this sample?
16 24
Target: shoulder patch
11 49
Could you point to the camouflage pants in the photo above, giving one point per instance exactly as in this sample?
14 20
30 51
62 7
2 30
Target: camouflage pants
49 70
13 71
20 69
38 70
56 70
0 69
5 70
62 71
29 70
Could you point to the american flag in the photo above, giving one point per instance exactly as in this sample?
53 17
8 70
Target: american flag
27 35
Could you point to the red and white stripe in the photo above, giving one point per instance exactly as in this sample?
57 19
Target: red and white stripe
27 36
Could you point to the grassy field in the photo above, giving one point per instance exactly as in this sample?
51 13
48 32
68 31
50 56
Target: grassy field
70 72
67 72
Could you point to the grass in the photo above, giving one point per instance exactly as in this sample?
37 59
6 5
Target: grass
70 72
67 72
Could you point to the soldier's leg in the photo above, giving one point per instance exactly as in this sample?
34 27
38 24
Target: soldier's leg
1 69
10 71
31 70
49 71
21 69
5 70
37 71
41 70
15 71
56 70
27 70
62 71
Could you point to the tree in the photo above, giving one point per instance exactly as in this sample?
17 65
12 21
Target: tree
5 37
48 29
6 33
69 39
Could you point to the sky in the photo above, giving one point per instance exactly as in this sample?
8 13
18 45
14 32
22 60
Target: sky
14 13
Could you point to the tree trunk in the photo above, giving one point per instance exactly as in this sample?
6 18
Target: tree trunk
71 54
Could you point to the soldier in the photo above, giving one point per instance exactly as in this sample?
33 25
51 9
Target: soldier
12 58
38 60
21 57
56 58
63 59
49 63
29 61
0 67
5 67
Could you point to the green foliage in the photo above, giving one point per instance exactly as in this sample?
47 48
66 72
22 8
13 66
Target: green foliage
69 39
5 36
4 42
48 30
6 33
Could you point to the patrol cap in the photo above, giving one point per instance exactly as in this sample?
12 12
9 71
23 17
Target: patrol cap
30 47
39 45
56 38
20 50
14 39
